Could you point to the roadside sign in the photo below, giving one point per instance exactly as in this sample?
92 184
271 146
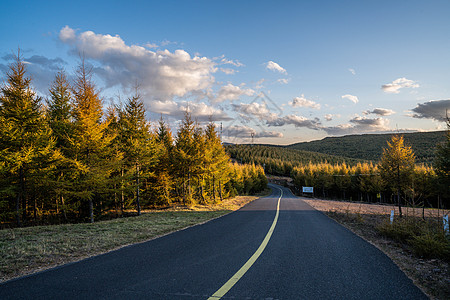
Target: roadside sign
308 189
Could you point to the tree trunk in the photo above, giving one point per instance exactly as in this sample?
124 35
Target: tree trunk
63 208
18 200
91 210
22 194
122 196
138 204
399 203
214 188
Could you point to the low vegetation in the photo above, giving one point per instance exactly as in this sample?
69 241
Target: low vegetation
424 237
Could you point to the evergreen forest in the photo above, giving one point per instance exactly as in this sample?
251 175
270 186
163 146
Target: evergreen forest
67 157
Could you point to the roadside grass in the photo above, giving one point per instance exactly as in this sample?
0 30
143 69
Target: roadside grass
27 250
419 247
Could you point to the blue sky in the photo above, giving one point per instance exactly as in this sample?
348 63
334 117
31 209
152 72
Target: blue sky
280 71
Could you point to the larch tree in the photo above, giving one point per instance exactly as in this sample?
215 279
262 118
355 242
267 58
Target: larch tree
26 143
216 161
59 116
184 156
442 164
397 166
164 170
90 143
138 145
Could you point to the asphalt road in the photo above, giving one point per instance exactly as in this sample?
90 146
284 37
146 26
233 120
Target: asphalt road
308 256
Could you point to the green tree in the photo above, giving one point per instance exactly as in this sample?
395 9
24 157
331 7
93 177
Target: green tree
442 164
137 143
216 161
59 115
26 144
164 171
90 143
397 166
184 156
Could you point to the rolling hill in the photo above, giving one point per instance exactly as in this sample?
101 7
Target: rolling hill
370 146
279 160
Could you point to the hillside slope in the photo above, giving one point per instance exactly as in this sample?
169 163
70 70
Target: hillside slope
280 160
370 146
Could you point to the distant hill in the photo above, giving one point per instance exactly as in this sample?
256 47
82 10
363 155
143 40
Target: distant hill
278 160
370 146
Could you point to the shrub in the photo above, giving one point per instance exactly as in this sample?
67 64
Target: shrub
430 245
424 238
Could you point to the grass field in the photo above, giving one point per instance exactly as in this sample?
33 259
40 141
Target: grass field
28 250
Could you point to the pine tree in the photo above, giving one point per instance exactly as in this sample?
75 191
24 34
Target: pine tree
26 144
397 166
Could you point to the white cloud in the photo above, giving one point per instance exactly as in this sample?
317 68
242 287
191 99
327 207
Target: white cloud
151 45
328 117
395 86
228 71
67 34
297 121
259 84
359 125
199 111
352 98
303 102
380 112
232 92
283 80
235 63
258 110
273 66
434 109
245 132
161 74
352 71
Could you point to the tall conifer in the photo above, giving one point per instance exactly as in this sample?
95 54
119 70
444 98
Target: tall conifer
26 145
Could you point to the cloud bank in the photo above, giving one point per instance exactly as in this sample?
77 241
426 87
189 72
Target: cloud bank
162 74
434 109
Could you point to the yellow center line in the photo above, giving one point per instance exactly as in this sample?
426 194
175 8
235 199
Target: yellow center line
235 278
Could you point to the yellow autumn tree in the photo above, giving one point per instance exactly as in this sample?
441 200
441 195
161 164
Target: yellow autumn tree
397 166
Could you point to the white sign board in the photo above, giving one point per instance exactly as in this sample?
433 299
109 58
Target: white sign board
308 189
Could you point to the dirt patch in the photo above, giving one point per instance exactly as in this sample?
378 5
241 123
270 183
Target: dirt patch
431 275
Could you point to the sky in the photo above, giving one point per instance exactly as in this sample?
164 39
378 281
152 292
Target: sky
276 72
